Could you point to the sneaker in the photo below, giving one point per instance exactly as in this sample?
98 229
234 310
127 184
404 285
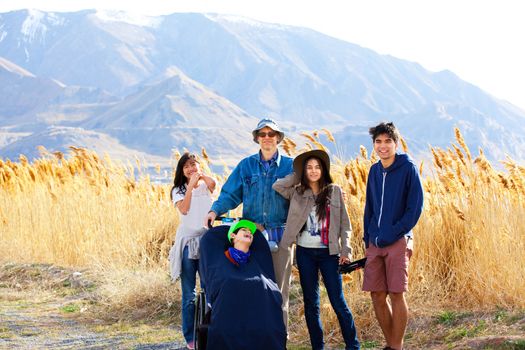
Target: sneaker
190 345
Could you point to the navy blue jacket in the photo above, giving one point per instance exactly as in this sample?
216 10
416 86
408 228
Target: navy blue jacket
394 201
245 300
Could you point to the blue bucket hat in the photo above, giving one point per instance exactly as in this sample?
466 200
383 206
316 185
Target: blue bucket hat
267 122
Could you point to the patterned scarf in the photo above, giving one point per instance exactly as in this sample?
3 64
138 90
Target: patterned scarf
325 226
239 256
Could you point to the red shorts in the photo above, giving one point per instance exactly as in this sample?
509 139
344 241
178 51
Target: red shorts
386 269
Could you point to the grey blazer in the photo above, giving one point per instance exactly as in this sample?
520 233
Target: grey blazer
301 205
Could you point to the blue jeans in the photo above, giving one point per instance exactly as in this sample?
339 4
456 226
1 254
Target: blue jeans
188 275
310 261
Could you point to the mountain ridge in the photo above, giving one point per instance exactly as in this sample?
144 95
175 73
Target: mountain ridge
170 80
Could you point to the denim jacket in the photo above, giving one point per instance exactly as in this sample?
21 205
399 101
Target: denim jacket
251 184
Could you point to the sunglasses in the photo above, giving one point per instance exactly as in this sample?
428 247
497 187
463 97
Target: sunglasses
269 134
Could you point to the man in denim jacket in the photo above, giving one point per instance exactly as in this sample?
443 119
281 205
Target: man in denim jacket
250 183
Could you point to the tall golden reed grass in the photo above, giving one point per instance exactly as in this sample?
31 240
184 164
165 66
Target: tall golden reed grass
81 211
86 210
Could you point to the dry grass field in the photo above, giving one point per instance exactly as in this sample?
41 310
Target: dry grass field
87 211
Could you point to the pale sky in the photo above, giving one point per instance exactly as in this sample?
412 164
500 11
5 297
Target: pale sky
481 41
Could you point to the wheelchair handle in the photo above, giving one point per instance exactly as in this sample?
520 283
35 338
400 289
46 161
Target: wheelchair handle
221 219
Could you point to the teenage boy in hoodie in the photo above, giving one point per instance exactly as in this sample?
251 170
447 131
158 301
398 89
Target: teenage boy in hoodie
394 201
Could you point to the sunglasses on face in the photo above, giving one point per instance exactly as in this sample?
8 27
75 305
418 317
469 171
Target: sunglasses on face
269 134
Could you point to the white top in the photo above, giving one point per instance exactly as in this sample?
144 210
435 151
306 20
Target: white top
310 237
199 207
191 226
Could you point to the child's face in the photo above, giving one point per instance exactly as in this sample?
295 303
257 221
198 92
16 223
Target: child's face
242 235
190 167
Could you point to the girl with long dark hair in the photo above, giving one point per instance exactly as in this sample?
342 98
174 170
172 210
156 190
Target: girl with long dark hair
319 225
191 195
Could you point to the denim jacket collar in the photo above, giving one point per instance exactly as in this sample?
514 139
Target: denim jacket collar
251 184
258 155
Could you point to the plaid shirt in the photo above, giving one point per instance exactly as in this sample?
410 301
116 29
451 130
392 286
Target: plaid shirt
276 233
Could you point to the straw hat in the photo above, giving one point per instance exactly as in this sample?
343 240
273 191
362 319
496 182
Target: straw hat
298 162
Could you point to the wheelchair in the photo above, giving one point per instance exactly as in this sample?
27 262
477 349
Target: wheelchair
201 321
240 307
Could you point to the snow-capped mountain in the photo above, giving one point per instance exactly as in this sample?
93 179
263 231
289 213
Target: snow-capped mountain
193 80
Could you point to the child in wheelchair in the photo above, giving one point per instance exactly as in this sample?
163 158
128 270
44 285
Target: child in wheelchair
241 290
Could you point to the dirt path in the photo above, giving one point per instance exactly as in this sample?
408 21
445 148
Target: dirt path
44 324
38 326
36 323
41 307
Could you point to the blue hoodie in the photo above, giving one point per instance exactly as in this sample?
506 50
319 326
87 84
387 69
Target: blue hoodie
394 201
